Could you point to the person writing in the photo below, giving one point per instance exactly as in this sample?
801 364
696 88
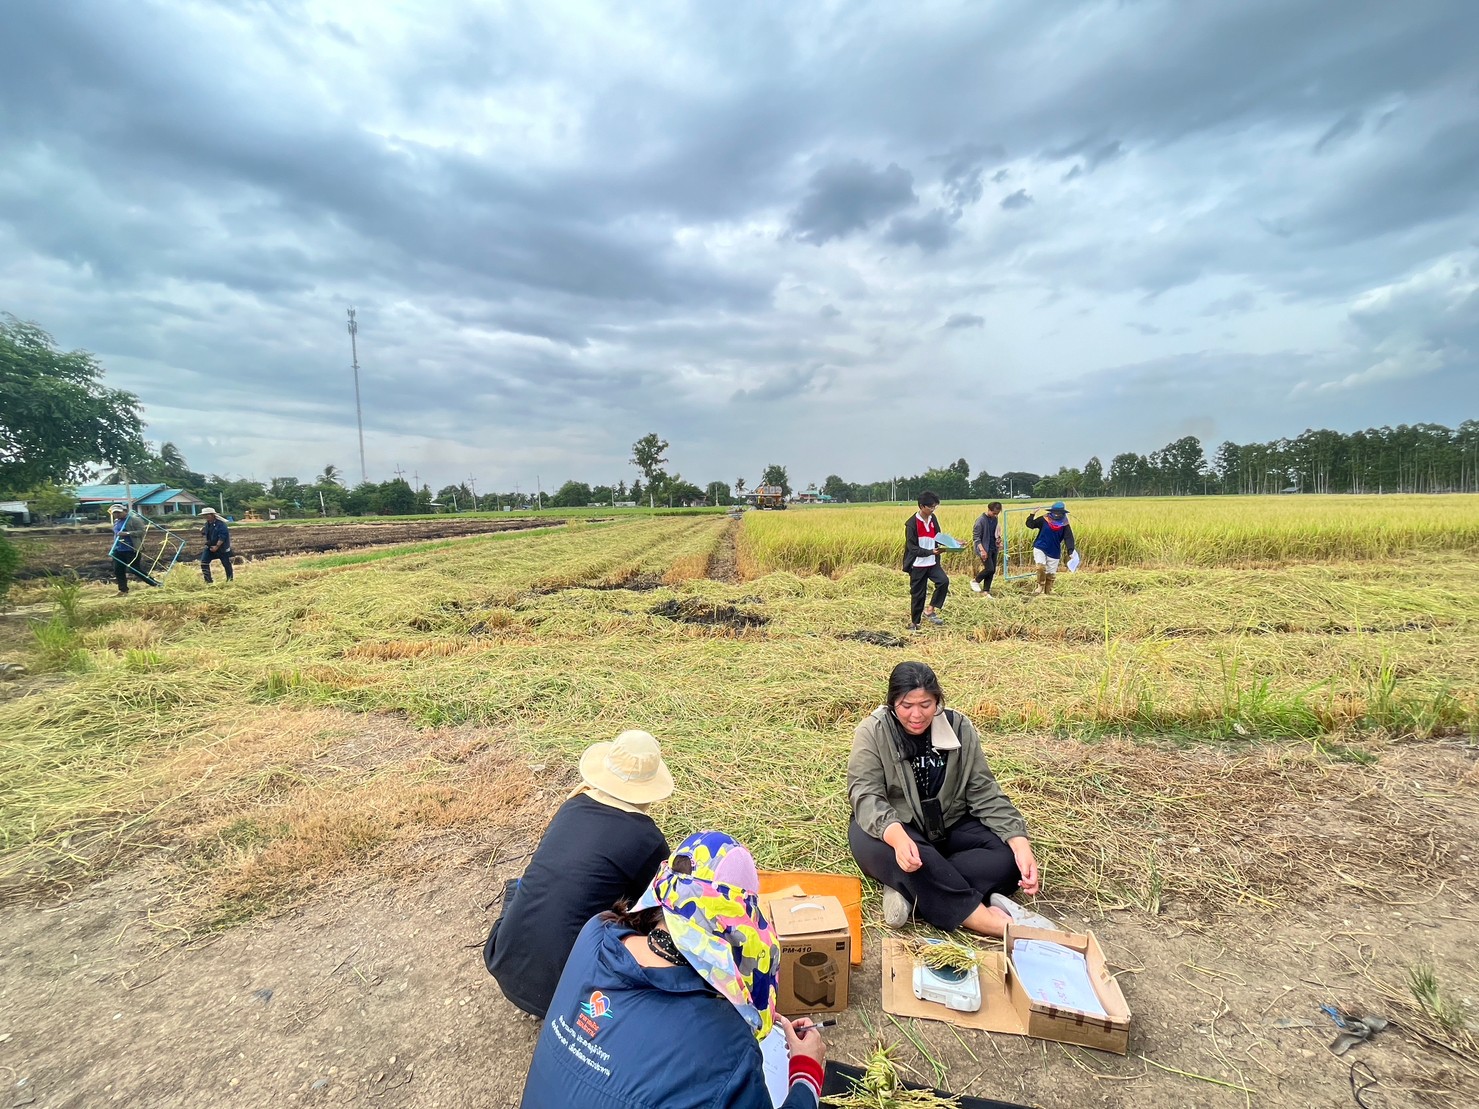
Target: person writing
1053 544
666 1003
922 562
986 536
601 847
929 821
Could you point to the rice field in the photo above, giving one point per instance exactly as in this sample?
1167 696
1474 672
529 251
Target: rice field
216 725
1114 533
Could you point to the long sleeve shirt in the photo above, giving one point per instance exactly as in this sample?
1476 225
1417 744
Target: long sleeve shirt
882 788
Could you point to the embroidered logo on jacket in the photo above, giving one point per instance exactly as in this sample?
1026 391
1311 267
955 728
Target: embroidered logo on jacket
593 1010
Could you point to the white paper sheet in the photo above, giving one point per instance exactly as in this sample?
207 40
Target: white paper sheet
1073 561
777 1065
1056 975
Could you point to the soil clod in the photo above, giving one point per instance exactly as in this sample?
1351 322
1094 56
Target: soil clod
692 610
878 639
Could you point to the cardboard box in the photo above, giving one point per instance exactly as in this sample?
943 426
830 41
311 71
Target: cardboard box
1006 1008
816 954
1045 1021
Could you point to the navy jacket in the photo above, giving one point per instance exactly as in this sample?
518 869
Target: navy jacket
1054 544
623 1036
591 856
216 531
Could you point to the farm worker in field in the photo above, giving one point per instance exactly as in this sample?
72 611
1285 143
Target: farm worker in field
217 543
986 536
667 1001
125 550
600 847
922 563
1054 543
929 821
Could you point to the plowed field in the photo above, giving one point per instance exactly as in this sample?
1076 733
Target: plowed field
84 551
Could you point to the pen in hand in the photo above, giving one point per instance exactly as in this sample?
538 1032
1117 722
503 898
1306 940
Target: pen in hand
803 1029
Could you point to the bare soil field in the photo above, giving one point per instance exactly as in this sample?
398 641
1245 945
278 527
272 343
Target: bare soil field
84 551
370 990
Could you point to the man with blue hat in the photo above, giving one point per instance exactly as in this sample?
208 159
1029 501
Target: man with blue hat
1054 543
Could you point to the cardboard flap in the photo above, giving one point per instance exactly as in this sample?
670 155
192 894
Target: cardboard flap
807 916
1117 1011
995 1014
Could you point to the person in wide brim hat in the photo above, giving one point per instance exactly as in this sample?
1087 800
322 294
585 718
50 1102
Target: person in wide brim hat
601 847
629 769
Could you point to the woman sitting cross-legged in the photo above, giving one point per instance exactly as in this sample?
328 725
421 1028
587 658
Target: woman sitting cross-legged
929 821
666 1003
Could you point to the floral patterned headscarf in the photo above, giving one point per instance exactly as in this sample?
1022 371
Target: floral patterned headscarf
713 913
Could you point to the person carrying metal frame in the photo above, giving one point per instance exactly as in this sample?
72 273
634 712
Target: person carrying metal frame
1054 545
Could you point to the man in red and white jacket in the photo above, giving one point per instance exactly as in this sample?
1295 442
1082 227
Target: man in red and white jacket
922 562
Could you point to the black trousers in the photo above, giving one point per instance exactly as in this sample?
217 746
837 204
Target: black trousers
122 564
957 874
205 562
987 572
919 579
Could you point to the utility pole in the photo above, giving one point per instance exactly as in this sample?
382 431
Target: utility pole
539 491
473 486
359 418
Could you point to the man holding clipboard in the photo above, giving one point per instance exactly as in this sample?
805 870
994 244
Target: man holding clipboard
922 563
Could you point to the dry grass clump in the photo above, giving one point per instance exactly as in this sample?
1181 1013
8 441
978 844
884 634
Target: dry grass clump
882 1087
943 954
1121 532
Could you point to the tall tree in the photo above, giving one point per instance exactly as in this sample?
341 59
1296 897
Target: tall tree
55 415
775 474
1093 480
648 455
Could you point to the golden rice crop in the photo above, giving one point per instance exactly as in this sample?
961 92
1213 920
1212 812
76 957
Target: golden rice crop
1118 532
551 641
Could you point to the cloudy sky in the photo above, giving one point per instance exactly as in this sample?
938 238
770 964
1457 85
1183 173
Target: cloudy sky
847 237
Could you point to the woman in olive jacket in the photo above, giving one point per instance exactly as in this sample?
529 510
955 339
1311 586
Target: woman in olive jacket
929 821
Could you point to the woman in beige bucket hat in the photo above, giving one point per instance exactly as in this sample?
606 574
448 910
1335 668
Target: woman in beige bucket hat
601 847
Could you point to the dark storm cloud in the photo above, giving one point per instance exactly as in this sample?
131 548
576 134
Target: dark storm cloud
785 385
556 222
848 197
1343 128
930 232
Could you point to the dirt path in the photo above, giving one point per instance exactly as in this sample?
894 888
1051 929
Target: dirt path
373 994
723 564
84 551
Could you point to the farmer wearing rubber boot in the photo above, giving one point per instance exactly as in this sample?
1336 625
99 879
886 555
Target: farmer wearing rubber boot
1054 544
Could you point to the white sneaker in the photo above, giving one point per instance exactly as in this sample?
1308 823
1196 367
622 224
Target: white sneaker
989 596
895 908
975 587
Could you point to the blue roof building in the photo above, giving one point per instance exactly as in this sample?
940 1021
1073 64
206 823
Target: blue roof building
152 500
